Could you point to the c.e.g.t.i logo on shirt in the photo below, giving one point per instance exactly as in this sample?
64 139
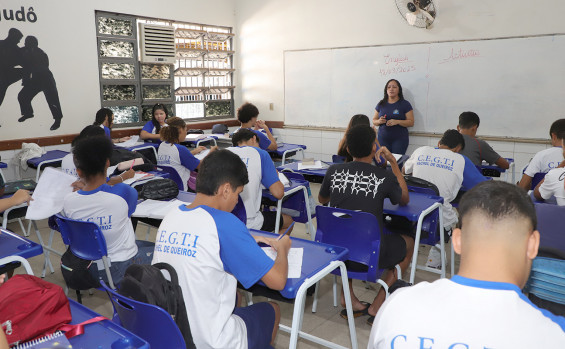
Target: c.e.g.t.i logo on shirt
436 161
180 243
104 222
163 159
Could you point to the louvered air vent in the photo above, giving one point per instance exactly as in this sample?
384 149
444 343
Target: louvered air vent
157 43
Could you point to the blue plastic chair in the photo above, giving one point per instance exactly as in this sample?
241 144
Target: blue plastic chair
174 175
338 159
86 241
431 222
297 202
537 178
550 225
547 279
239 211
360 233
148 321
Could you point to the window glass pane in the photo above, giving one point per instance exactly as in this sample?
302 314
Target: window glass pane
114 26
157 92
118 71
125 115
118 92
155 71
218 108
190 110
147 109
116 49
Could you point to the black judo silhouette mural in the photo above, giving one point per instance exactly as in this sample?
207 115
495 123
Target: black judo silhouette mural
30 64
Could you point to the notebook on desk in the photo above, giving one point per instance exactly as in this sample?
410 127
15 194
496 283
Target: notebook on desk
55 340
12 187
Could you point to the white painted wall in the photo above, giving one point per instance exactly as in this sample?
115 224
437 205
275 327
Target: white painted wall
266 28
66 31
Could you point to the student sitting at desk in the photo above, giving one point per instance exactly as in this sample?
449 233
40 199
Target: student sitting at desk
476 149
262 173
450 172
483 306
358 119
171 153
108 206
359 185
247 114
105 120
553 184
211 250
151 129
547 159
68 164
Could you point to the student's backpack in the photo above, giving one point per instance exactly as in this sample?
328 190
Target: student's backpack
31 307
146 283
76 272
219 128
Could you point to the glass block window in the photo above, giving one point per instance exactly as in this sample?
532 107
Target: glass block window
116 49
125 114
115 26
198 86
157 92
118 71
156 71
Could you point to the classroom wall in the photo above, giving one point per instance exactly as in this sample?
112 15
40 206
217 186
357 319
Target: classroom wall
266 28
66 32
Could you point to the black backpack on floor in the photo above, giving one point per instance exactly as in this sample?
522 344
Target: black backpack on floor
146 283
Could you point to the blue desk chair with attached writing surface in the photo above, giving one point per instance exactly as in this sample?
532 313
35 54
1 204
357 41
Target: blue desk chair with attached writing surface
148 321
86 241
338 159
360 233
296 203
431 224
174 175
550 225
536 179
239 210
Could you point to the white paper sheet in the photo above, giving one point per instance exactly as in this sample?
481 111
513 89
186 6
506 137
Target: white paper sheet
129 143
195 136
295 256
284 180
48 196
138 176
318 165
202 154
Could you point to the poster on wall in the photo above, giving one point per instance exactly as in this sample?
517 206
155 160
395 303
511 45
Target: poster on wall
24 66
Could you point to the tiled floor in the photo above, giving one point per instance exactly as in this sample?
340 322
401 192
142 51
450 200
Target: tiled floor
325 323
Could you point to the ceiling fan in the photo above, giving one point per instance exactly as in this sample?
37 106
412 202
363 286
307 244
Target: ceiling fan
418 13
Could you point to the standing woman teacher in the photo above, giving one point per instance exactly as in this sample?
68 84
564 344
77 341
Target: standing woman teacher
393 116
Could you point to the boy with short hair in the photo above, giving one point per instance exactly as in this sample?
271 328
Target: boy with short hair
359 185
247 114
211 250
476 149
483 305
262 173
450 172
546 159
553 184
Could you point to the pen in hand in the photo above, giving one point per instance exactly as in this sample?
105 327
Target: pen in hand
286 231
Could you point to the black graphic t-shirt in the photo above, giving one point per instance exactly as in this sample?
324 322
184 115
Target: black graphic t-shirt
360 186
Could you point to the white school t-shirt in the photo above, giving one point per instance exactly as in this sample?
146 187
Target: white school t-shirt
68 165
211 250
554 185
442 167
463 313
261 171
179 158
110 207
544 161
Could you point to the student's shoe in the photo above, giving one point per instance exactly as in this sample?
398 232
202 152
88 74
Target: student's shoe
434 257
356 313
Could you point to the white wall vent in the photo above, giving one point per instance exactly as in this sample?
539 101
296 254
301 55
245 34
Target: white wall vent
157 43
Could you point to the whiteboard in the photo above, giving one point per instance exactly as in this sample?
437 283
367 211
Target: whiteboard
515 85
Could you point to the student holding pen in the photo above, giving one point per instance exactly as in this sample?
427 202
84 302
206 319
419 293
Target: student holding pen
393 116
